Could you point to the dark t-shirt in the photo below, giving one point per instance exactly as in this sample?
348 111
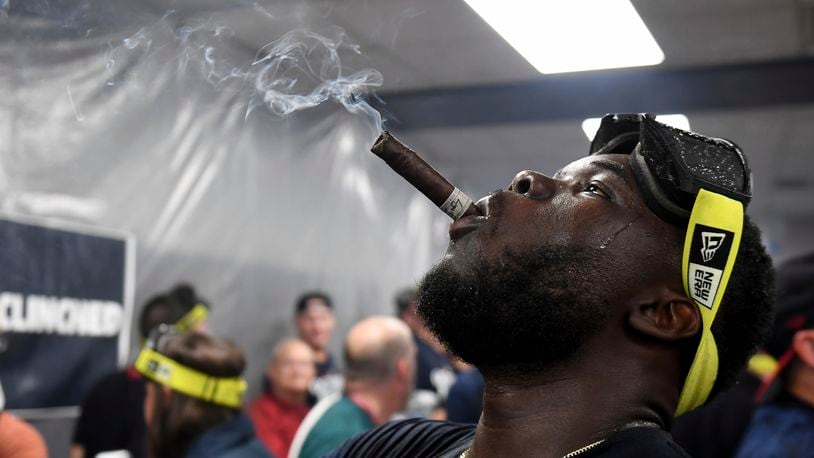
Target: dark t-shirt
427 361
465 400
112 415
716 430
327 367
428 438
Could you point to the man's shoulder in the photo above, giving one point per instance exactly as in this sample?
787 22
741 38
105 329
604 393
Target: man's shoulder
341 419
638 442
411 437
345 411
18 438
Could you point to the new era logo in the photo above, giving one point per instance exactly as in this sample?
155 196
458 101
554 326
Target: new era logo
703 284
711 241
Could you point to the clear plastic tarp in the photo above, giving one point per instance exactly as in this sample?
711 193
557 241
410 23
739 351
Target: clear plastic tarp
118 115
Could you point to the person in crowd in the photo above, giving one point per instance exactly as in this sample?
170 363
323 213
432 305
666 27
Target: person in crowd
465 399
112 415
278 412
783 425
194 396
314 319
379 357
598 303
18 439
434 370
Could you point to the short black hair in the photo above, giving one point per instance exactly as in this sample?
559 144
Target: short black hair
404 298
744 319
302 301
168 307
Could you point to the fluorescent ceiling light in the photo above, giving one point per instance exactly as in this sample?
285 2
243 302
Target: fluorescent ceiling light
591 125
558 36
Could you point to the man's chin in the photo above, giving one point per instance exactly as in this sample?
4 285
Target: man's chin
526 311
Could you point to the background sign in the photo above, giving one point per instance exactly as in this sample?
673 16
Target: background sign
65 309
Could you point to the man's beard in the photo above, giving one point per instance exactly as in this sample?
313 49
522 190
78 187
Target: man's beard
533 309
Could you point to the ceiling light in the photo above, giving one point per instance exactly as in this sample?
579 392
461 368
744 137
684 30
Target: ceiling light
558 36
591 125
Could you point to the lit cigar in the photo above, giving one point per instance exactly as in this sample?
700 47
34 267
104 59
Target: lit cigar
423 177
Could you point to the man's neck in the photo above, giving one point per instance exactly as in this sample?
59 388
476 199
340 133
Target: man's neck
320 355
377 403
560 411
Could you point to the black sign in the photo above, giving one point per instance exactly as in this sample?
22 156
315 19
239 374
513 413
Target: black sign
65 310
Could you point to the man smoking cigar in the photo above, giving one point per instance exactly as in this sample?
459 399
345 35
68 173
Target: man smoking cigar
599 303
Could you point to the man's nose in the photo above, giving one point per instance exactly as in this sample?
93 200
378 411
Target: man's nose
533 184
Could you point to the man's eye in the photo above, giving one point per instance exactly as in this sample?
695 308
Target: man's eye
595 189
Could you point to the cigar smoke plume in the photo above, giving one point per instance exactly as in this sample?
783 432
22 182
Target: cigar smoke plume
300 70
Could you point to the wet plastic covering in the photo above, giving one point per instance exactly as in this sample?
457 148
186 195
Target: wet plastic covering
125 117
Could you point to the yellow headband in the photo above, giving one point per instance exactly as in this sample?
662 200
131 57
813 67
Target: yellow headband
710 248
190 319
225 391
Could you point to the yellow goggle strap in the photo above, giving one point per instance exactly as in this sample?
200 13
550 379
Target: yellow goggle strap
165 371
710 247
190 319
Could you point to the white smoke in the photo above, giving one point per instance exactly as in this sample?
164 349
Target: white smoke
298 71
303 69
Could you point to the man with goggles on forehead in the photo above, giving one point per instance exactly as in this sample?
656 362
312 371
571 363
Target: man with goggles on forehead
598 303
193 403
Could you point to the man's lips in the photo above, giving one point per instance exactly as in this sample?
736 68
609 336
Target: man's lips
465 225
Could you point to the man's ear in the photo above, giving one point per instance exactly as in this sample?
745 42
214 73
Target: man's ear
403 370
803 344
665 315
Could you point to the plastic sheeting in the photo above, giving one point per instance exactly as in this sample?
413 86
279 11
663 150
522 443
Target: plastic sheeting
113 122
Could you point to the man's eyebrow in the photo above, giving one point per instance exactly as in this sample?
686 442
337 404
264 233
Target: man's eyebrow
607 165
610 166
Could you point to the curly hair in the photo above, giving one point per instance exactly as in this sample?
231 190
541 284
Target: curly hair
745 315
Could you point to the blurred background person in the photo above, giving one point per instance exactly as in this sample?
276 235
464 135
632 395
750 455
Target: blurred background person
193 403
278 412
379 357
315 321
112 413
434 366
18 439
465 399
783 426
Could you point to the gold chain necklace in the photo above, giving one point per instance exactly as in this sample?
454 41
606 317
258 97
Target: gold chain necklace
467 453
634 424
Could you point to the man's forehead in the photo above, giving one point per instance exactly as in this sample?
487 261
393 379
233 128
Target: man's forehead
617 164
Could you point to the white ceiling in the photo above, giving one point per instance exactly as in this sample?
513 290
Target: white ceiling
440 43
421 44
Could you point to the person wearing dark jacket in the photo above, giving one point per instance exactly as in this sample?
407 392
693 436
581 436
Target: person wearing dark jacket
233 439
194 398
783 424
112 412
